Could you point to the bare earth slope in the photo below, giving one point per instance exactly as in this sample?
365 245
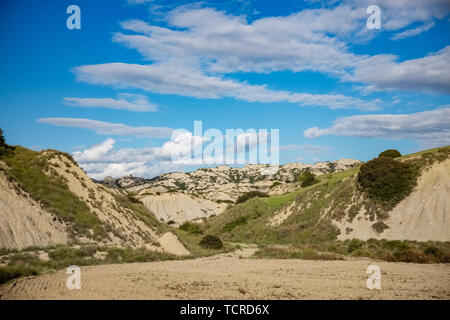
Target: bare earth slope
23 222
423 215
122 221
228 277
180 207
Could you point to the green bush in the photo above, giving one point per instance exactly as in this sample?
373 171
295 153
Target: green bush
390 153
252 194
211 242
355 244
308 179
191 227
387 180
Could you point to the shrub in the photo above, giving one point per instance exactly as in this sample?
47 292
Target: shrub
8 273
390 153
354 244
191 227
387 180
211 242
308 179
276 183
171 222
379 226
252 194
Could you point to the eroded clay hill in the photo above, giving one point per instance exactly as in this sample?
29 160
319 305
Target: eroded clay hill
45 199
423 215
338 208
180 196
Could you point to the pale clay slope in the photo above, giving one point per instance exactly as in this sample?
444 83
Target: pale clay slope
227 277
180 207
100 201
423 215
23 222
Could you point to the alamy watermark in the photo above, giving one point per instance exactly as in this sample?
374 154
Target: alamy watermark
374 280
234 146
74 280
74 20
374 20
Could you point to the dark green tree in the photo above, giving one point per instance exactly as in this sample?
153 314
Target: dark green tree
2 139
386 179
390 153
308 179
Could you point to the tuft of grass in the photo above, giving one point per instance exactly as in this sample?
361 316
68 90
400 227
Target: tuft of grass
291 253
233 224
190 227
252 194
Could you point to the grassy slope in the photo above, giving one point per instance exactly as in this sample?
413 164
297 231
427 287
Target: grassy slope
303 225
308 228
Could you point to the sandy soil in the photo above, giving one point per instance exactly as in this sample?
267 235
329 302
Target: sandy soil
229 277
23 221
180 207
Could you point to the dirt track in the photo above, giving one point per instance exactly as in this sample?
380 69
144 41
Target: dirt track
228 277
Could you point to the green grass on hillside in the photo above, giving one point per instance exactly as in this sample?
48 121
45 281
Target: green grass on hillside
334 197
28 169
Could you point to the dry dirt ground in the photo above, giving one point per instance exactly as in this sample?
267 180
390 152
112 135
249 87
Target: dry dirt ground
228 276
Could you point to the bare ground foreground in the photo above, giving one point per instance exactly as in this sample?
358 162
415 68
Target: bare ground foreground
228 276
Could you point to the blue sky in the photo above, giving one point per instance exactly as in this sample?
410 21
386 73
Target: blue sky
112 92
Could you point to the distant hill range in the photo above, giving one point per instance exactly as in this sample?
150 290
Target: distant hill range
47 199
180 196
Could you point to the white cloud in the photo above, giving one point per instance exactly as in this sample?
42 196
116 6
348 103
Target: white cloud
107 128
383 72
199 44
103 160
176 154
125 101
413 32
227 43
180 79
95 152
432 128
